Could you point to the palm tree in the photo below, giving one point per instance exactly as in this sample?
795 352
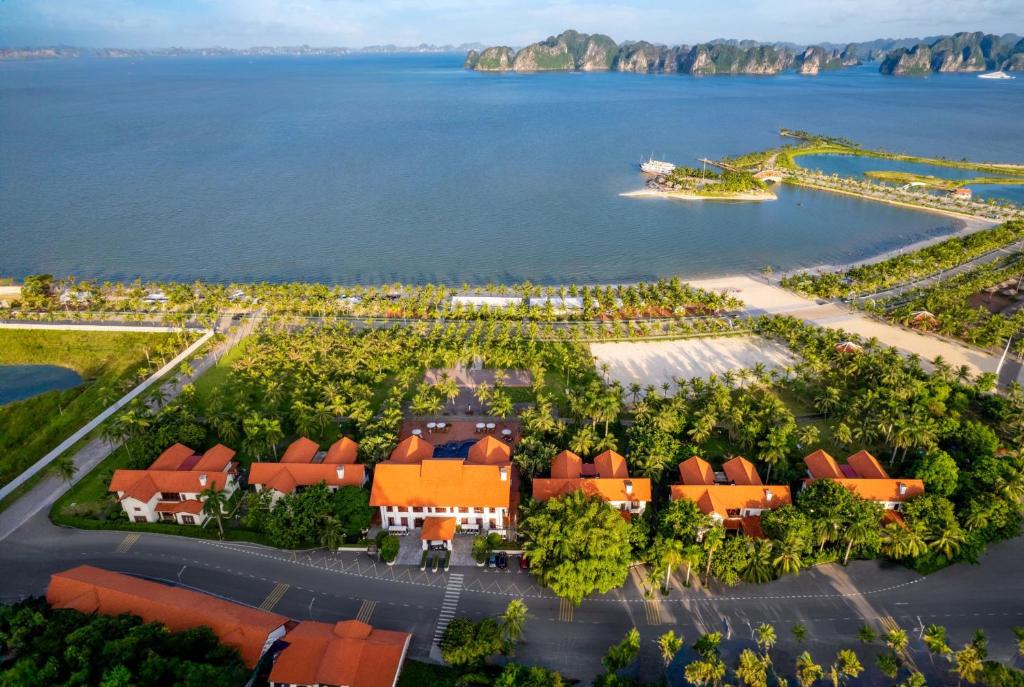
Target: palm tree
790 556
807 671
846 665
856 532
214 501
512 622
759 568
64 467
765 637
582 442
934 637
332 532
752 669
947 541
669 645
713 540
969 664
671 554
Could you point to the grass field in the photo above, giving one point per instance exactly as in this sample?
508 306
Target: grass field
107 361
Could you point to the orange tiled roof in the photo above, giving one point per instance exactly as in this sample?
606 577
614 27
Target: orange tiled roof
721 498
611 464
891 516
566 465
412 450
190 506
302 450
348 653
750 525
440 483
696 470
217 459
144 484
821 465
284 477
739 470
884 489
172 457
866 466
343 451
94 590
608 488
489 451
438 529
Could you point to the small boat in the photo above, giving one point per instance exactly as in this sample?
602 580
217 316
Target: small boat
652 166
998 74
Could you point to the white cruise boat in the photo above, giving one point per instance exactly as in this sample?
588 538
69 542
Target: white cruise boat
999 74
652 166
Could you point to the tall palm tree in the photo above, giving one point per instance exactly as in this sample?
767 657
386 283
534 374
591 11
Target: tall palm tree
765 637
934 637
789 558
947 541
807 671
513 620
846 666
332 532
856 532
65 468
969 664
713 540
759 568
669 645
214 502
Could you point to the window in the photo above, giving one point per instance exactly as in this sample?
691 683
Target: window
187 520
136 509
170 496
140 518
417 509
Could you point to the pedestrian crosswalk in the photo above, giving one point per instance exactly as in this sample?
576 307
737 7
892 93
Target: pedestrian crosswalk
566 611
652 611
365 611
274 597
449 604
128 543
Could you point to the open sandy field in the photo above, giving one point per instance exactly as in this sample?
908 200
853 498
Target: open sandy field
656 362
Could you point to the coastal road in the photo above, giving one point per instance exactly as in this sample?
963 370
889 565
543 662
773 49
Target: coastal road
831 601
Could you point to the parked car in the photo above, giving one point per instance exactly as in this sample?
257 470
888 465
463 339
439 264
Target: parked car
502 560
492 560
523 563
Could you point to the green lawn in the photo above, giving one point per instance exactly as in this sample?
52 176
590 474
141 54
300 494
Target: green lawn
107 361
216 375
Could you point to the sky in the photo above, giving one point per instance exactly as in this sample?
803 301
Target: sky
356 23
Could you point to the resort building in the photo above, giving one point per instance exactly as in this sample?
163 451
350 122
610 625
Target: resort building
734 498
607 477
962 193
349 653
304 465
93 590
411 451
489 451
863 475
169 490
441 496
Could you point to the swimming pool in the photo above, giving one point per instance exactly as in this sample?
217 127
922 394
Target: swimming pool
453 449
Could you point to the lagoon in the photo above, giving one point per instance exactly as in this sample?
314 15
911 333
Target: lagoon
18 382
408 168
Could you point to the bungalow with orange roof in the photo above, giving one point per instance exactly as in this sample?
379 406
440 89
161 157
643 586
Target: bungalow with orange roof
93 590
607 477
734 498
169 490
411 450
863 475
304 465
449 493
489 451
349 653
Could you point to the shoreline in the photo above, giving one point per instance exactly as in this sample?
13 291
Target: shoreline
684 195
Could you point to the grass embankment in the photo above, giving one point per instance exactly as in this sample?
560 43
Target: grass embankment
937 182
109 363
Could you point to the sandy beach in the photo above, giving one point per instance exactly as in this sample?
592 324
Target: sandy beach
683 195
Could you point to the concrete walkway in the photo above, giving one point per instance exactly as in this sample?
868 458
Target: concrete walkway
761 299
51 487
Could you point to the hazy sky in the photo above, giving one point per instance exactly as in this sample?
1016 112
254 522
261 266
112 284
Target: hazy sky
242 23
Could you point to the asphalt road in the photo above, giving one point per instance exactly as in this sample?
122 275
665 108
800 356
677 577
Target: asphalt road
831 601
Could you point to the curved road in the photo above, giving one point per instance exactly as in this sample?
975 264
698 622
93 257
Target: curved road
831 601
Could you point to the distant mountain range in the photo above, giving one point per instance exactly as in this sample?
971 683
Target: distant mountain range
574 51
70 52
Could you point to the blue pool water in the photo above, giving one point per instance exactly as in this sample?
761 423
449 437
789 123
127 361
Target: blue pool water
454 449
409 168
19 382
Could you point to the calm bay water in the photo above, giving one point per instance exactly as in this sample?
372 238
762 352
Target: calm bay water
408 168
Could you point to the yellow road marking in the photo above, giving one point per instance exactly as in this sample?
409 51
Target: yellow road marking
652 609
127 543
365 611
566 611
274 596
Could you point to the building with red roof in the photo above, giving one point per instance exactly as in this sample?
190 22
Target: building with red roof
607 477
170 489
734 498
349 653
93 590
863 475
304 465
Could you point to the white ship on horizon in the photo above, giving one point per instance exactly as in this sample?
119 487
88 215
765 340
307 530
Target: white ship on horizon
652 166
998 74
